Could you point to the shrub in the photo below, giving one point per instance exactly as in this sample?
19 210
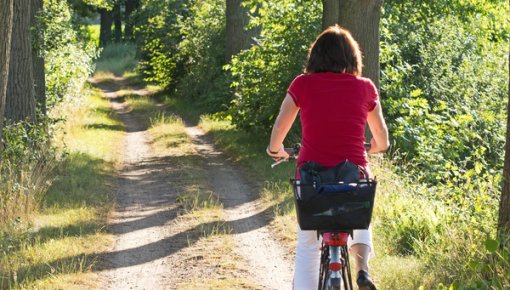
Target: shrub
158 35
68 57
442 85
202 56
262 74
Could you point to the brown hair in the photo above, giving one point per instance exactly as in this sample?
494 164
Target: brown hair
334 50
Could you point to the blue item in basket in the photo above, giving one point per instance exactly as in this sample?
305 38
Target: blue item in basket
340 187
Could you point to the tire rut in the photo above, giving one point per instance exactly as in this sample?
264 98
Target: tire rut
269 263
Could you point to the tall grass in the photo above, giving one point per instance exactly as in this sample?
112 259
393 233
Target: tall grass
21 191
117 58
67 224
26 163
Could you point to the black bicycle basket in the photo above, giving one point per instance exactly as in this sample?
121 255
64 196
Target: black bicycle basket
337 198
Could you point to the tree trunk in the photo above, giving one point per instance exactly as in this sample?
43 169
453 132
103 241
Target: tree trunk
504 204
6 15
237 35
105 34
131 6
37 55
117 21
20 104
361 18
330 12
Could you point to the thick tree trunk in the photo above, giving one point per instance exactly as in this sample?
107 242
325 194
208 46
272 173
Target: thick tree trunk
20 104
6 15
361 18
105 33
330 12
131 6
37 57
117 21
238 37
504 204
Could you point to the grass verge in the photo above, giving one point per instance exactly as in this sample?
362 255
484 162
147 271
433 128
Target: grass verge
73 215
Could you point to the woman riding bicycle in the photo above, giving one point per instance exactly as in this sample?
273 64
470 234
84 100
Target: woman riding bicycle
335 103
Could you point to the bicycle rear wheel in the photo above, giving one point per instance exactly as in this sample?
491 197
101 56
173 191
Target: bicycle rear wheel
334 284
324 268
347 269
326 281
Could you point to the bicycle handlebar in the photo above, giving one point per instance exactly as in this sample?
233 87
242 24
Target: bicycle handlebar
294 153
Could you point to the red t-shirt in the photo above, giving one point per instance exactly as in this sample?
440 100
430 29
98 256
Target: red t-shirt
333 112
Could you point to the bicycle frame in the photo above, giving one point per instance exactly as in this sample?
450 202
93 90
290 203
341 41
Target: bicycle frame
335 267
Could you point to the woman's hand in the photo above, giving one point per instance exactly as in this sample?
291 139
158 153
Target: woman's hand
287 115
376 148
277 155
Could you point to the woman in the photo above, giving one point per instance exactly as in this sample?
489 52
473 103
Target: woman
335 105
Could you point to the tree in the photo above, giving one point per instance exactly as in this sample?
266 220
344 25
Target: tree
131 6
117 22
361 18
105 31
504 204
238 36
6 14
330 13
20 103
37 55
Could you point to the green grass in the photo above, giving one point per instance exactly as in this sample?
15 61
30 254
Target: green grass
72 219
117 58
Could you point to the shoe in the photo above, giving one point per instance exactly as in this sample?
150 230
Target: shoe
364 281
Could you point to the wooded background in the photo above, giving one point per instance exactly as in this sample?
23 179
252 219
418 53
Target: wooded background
441 68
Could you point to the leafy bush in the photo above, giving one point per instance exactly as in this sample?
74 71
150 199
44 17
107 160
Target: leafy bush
202 56
68 57
442 85
183 49
25 166
262 74
158 35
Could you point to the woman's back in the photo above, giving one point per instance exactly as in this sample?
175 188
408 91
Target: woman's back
333 111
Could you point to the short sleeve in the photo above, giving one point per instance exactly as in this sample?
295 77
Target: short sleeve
295 89
372 95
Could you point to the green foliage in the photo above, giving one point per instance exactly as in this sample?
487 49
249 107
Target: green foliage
158 33
202 56
68 58
183 49
117 58
262 74
25 165
442 85
26 158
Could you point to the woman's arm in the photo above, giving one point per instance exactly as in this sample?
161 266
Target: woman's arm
282 125
380 141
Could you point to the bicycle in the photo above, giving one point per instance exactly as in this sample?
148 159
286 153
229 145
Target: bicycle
335 269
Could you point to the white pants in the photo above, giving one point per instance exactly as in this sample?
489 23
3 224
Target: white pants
306 270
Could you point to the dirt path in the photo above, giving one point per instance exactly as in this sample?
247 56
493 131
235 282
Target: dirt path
247 216
152 245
